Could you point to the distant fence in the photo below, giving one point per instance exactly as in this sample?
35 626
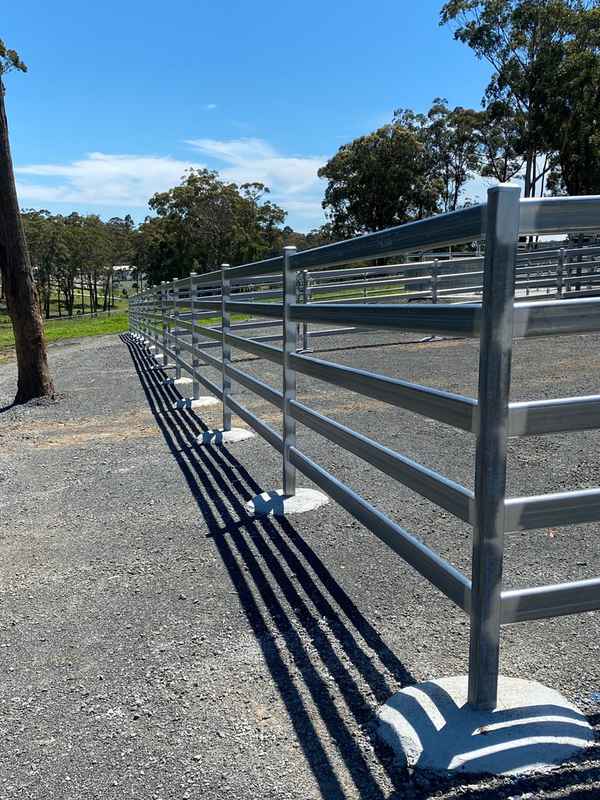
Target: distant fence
468 297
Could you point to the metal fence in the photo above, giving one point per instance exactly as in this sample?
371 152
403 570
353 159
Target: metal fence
170 318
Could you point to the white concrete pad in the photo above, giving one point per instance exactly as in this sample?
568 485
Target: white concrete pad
198 402
220 436
179 383
278 505
533 728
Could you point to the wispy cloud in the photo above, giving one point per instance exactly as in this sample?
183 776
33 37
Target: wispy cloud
127 181
210 106
101 179
292 179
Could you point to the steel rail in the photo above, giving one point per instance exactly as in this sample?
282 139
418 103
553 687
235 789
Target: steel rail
452 409
430 484
258 387
264 430
551 510
534 417
425 561
256 348
542 602
556 317
460 319
257 309
456 227
548 215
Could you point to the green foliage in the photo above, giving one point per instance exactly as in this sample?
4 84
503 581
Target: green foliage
70 253
412 168
204 222
9 60
382 179
450 136
544 55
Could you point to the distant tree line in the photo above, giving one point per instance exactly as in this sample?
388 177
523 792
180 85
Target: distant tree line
73 256
205 222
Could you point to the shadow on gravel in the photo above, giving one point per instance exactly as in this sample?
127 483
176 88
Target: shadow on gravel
260 554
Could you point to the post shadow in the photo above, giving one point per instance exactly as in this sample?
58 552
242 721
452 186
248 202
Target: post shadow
268 549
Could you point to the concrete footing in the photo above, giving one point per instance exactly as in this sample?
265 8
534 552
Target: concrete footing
198 402
220 436
533 728
278 505
178 383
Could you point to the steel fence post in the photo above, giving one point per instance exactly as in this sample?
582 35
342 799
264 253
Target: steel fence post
502 234
163 311
434 280
225 345
195 359
290 335
560 271
176 348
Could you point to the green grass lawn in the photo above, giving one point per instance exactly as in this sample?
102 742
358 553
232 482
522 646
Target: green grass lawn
67 328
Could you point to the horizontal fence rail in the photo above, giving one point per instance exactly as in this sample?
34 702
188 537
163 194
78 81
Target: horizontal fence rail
498 296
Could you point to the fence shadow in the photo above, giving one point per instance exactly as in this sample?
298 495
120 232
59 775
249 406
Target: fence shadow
267 558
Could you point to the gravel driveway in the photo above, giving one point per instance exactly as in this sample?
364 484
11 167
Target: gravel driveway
158 643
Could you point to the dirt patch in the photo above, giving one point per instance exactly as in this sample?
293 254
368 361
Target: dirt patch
46 434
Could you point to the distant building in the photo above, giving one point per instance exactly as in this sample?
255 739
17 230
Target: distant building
126 278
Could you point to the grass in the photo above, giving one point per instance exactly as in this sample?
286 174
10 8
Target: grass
66 328
76 327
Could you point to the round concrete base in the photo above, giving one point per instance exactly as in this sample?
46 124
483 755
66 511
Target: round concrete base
533 728
277 505
178 383
225 437
198 402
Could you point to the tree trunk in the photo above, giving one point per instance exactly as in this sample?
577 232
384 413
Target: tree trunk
21 297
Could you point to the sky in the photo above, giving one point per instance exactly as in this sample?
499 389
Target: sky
122 97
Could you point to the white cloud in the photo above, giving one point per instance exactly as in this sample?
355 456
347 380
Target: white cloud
102 180
210 106
127 182
290 178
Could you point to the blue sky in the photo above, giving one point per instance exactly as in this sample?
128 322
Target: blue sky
121 97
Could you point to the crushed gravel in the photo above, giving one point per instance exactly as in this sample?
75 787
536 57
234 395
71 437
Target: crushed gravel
157 643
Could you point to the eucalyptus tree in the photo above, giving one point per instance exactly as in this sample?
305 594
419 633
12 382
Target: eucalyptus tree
33 378
382 179
524 43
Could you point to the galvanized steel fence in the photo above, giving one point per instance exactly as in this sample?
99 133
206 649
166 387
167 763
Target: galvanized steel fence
170 318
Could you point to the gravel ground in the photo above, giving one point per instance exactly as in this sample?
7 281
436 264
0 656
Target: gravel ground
157 643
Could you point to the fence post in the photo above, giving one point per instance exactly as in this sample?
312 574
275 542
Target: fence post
560 271
163 318
176 348
306 301
290 336
225 345
434 280
195 359
502 234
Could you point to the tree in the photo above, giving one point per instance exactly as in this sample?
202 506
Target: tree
205 221
450 136
34 378
499 132
382 179
574 111
523 41
46 242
